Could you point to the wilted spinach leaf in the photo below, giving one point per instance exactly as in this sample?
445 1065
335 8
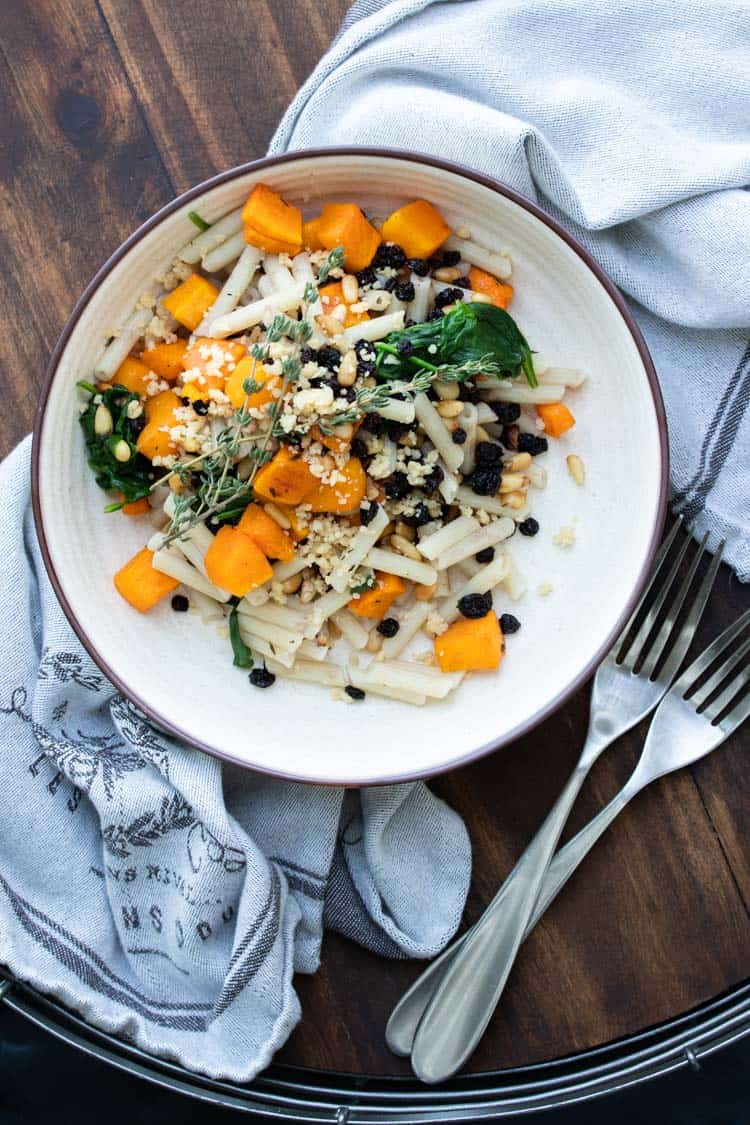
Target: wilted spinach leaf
133 478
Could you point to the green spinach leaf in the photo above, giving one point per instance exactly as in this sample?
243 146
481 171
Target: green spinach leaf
134 477
243 657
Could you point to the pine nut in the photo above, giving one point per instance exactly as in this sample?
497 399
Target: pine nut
446 391
292 585
446 273
333 631
575 468
345 431
386 532
122 452
463 232
277 516
449 409
349 288
405 548
512 482
347 371
134 410
307 592
519 462
374 641
245 468
515 500
405 531
450 308
176 485
482 434
482 299
103 424
329 324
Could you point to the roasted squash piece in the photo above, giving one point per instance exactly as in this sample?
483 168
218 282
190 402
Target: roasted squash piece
376 602
235 563
470 645
140 584
418 228
266 533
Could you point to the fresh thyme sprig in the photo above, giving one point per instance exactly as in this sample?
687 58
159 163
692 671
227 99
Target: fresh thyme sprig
221 493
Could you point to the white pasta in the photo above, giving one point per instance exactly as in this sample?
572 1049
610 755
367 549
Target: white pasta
369 684
482 582
409 625
280 275
495 262
522 393
311 650
485 413
417 308
448 486
284 570
490 504
209 239
375 329
311 672
274 634
269 651
435 428
302 267
233 288
409 676
560 376
208 609
265 286
122 344
487 536
365 538
323 607
433 545
468 420
172 563
392 563
225 254
352 630
282 615
397 410
192 553
247 316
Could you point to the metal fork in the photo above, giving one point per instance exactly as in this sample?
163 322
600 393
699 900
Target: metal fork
442 1017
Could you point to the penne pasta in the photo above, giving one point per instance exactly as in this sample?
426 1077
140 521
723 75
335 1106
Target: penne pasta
247 316
495 262
435 428
376 329
170 562
122 344
364 540
392 563
433 545
208 240
478 541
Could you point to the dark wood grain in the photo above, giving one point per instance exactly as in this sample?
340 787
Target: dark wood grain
106 110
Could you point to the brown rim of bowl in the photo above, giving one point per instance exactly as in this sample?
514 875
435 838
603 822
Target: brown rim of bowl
466 173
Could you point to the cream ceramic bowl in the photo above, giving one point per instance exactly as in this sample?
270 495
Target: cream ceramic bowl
180 672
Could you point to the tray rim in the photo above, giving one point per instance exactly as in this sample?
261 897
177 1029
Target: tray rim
291 1093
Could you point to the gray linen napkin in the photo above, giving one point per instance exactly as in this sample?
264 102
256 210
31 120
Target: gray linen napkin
628 121
162 895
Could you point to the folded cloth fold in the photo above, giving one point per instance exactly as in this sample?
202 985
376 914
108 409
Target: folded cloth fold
627 121
166 897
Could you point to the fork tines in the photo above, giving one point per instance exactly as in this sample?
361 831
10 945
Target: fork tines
660 638
727 683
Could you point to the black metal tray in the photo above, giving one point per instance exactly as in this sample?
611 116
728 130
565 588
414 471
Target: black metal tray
296 1094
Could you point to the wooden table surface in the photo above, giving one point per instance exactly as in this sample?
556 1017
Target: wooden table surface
108 108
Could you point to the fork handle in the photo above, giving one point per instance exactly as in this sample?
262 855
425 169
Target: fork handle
405 1018
575 851
467 995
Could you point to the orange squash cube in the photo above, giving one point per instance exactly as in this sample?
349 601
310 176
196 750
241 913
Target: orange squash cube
343 224
191 300
557 418
154 440
286 479
272 223
470 645
332 296
376 602
166 359
266 533
249 368
140 584
343 496
499 292
236 564
418 228
133 374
